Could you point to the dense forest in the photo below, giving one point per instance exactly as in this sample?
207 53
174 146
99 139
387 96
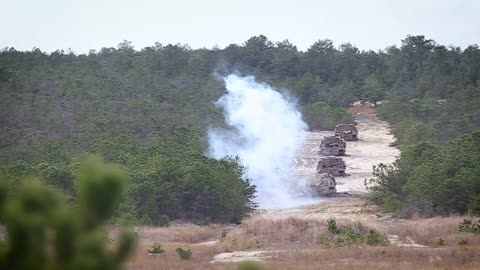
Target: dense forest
148 111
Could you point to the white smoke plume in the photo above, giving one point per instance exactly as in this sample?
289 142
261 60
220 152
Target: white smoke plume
265 131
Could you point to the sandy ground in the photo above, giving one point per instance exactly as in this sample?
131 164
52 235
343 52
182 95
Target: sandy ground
373 147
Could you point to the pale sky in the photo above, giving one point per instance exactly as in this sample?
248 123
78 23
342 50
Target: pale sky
368 24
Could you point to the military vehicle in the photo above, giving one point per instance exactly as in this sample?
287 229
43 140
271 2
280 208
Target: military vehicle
332 165
347 132
333 146
325 186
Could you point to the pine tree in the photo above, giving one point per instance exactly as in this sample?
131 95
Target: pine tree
42 232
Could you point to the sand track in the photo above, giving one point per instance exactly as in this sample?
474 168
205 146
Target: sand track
373 147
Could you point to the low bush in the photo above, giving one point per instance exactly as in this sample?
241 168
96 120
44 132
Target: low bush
440 242
332 226
469 226
349 236
184 254
157 248
375 239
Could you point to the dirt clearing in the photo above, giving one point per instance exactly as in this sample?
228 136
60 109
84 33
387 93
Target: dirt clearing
372 148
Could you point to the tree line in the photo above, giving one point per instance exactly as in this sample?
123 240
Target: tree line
148 110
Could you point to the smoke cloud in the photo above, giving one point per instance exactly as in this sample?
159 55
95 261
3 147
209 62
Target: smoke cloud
265 131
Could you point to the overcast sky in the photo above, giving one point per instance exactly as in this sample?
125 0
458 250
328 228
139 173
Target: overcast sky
369 24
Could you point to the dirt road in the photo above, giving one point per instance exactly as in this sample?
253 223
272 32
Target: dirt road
373 147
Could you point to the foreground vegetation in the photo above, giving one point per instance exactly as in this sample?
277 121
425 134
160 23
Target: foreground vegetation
298 243
43 232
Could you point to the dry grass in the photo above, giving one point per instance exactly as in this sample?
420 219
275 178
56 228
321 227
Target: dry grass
200 259
186 236
280 234
429 231
390 258
187 233
295 242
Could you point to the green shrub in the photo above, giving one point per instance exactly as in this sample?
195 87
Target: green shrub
375 239
184 254
332 226
440 242
157 248
470 226
349 237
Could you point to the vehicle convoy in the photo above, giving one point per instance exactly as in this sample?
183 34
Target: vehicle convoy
332 165
333 146
325 186
347 132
